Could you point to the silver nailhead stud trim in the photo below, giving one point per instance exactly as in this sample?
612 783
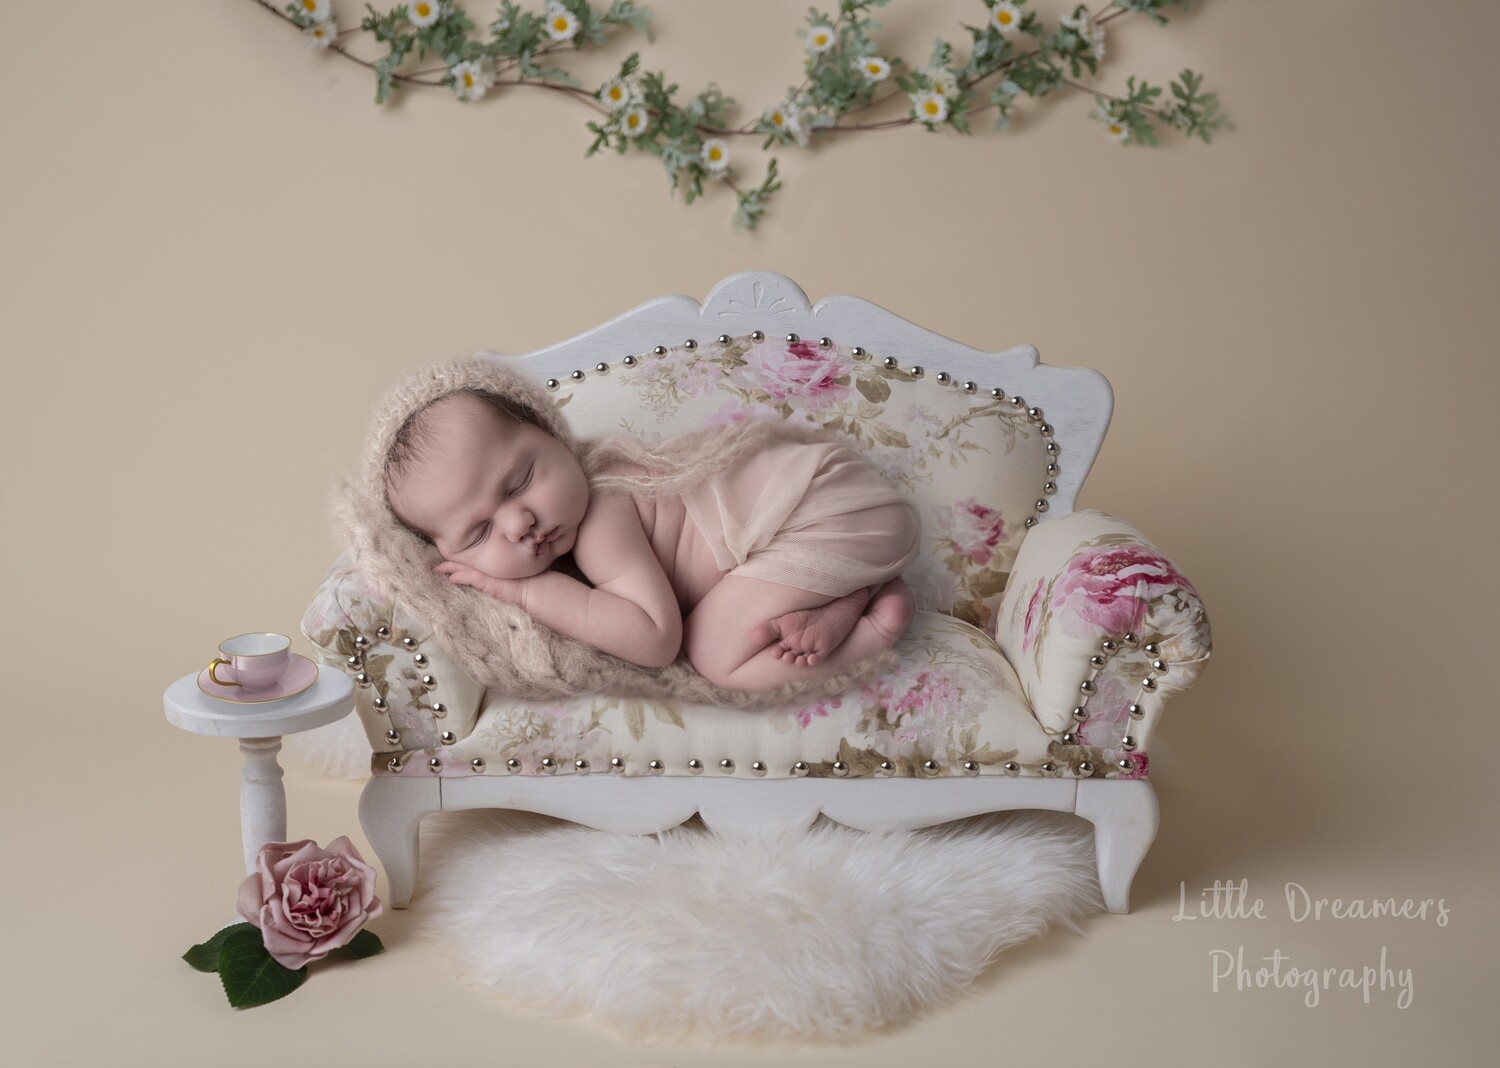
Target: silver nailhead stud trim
628 361
553 383
792 339
409 643
971 768
581 766
1126 763
616 764
1096 660
930 767
380 704
429 681
1080 713
916 371
1085 768
1148 684
361 642
392 737
1051 448
840 768
1050 488
885 768
601 367
1042 505
889 361
513 764
1030 521
477 764
1159 665
382 632
1136 711
824 342
1049 766
448 737
420 659
1018 402
758 335
1035 413
1086 686
657 767
1151 648
576 375
800 768
361 679
1069 738
997 393
356 661
660 350
549 765
726 764
1131 639
1127 743
434 765
860 353
758 767
970 387
723 339
942 376
695 766
394 764
439 709
1012 767
690 344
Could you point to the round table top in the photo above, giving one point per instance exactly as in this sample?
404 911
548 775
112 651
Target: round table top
331 697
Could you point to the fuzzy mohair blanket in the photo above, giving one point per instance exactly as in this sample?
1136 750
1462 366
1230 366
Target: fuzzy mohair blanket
497 643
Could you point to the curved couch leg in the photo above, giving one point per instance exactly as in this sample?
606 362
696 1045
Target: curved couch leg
390 812
1125 816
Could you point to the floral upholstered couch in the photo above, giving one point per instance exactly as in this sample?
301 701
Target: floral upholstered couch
1045 643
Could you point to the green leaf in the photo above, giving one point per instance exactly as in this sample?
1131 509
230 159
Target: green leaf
205 955
364 944
251 976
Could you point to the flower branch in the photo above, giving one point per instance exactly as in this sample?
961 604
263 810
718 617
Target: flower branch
845 73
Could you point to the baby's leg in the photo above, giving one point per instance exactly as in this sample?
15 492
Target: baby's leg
723 637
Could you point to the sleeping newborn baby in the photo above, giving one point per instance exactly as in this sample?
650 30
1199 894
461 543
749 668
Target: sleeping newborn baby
784 565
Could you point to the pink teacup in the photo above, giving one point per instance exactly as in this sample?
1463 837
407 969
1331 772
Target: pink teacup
255 661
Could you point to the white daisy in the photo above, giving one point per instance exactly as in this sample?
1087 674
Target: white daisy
635 121
562 24
1083 24
930 107
715 155
942 80
876 69
422 13
320 34
783 119
470 80
1117 130
317 10
1005 17
616 94
820 39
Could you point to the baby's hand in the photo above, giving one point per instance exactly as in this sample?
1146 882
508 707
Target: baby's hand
511 591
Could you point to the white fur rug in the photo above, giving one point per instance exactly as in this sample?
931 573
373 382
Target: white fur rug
812 935
809 936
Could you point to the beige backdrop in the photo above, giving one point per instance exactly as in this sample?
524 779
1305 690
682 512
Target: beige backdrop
218 250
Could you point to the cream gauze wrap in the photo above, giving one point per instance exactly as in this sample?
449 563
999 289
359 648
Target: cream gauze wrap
497 643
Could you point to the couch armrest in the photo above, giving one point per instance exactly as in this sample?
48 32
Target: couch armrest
392 656
1101 628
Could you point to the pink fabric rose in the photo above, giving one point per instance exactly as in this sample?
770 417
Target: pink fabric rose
975 529
802 374
1107 591
308 901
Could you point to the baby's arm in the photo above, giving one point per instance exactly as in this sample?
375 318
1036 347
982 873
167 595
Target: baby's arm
633 614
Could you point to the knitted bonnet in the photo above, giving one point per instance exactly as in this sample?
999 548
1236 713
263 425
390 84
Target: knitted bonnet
493 641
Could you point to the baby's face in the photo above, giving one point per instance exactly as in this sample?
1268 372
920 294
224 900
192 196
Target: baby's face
488 491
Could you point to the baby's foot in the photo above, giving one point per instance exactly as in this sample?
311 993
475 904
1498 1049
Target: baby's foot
808 635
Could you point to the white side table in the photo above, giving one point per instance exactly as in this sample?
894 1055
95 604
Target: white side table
259 729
